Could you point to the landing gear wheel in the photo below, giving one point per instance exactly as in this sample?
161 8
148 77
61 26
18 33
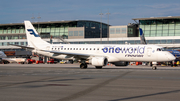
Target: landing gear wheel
98 67
154 67
83 66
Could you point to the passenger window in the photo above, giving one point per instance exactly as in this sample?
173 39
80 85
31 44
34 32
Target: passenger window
94 48
79 48
86 48
76 48
64 48
83 48
98 49
61 48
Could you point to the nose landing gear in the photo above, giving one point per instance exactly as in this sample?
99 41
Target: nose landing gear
154 65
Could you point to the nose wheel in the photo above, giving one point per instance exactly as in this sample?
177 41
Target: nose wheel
154 67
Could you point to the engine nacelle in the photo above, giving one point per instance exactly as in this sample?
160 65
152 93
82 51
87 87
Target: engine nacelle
120 63
99 61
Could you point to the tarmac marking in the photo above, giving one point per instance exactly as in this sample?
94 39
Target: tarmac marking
147 95
91 89
33 81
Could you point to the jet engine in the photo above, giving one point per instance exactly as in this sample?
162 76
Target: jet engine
99 61
120 63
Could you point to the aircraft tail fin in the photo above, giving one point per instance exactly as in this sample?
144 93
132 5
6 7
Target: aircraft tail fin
34 40
143 40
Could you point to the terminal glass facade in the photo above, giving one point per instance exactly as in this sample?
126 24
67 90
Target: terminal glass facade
163 41
93 29
56 29
160 27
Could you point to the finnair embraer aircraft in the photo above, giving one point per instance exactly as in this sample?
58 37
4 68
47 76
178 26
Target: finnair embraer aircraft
98 55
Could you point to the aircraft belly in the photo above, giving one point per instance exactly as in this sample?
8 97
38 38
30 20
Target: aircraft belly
43 53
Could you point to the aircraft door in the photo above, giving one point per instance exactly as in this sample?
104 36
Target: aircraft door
149 50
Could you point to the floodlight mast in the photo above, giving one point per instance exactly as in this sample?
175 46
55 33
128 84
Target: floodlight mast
108 27
101 27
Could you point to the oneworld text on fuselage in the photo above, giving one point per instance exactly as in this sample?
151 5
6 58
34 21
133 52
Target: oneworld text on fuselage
129 50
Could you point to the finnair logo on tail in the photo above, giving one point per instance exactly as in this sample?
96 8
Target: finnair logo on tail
31 31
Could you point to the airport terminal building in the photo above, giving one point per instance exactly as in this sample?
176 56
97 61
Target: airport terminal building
163 31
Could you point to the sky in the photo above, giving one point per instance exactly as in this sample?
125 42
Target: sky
121 11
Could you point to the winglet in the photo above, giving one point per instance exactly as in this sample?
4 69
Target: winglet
143 40
141 32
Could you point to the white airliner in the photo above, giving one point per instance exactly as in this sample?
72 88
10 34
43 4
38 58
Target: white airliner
5 60
98 55
2 55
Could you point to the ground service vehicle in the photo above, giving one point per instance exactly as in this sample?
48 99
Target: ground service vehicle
51 61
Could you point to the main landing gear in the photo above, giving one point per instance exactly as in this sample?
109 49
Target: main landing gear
154 67
83 65
98 67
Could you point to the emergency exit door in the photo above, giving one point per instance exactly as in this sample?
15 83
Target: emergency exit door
149 51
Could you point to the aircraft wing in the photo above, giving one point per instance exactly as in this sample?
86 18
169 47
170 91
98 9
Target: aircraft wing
76 55
24 47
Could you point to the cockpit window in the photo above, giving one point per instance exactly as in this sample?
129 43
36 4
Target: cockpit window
160 49
163 49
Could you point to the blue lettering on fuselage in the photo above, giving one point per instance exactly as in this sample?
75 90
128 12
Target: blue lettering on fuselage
31 31
129 50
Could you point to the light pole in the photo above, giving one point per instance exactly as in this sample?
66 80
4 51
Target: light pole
108 26
101 27
38 21
33 18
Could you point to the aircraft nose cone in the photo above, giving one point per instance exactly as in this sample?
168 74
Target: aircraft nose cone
171 57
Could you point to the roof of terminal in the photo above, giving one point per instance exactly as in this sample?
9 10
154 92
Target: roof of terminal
156 18
48 22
